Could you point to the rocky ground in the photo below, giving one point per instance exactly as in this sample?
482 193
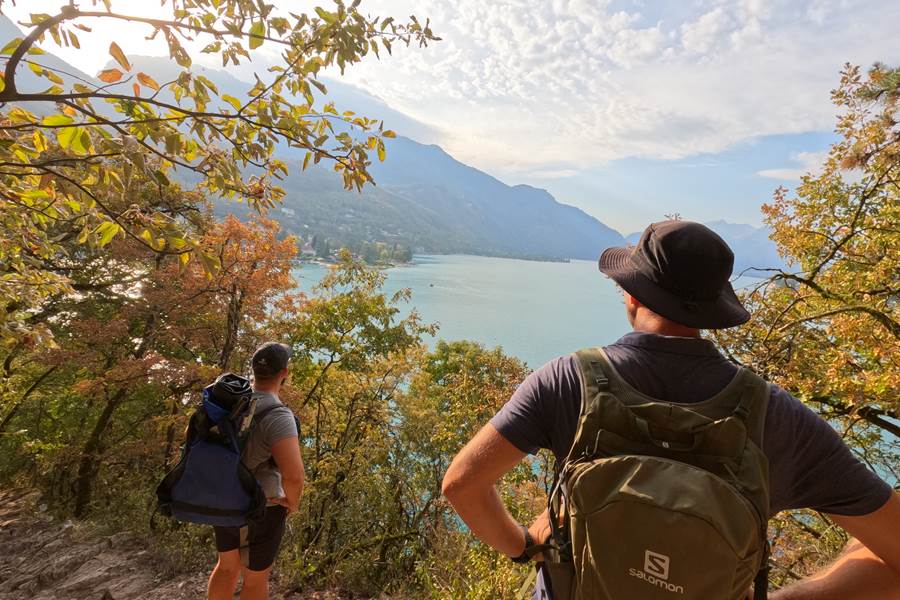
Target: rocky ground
42 558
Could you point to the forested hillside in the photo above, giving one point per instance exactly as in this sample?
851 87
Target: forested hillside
424 199
123 291
429 201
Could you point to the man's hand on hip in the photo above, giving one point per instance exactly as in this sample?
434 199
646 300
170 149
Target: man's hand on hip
540 532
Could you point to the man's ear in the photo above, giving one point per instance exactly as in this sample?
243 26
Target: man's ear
631 300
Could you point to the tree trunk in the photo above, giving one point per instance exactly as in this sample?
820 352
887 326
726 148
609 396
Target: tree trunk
90 456
233 321
170 434
24 397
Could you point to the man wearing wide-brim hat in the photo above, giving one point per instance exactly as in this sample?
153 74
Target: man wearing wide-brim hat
675 283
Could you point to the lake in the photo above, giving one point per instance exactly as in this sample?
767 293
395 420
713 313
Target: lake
533 310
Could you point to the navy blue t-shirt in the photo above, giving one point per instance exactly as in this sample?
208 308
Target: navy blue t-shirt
809 465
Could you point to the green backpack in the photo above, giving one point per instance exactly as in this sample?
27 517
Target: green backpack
661 501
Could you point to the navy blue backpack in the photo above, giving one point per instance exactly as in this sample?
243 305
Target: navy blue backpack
211 485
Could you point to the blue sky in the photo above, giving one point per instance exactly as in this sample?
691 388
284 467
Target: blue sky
731 184
629 109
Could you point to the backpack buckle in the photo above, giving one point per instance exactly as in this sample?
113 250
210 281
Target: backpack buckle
600 377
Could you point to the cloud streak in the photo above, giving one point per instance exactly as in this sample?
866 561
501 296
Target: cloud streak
808 163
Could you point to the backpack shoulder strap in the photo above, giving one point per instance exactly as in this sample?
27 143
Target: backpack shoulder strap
754 405
258 417
594 380
592 363
594 366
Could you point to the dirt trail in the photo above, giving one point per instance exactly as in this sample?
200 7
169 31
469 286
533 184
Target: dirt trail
42 558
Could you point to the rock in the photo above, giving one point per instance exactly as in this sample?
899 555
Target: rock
121 538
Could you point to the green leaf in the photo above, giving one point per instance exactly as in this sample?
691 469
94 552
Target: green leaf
256 32
67 136
84 234
210 263
325 15
161 177
53 76
10 46
107 231
232 101
81 143
117 54
35 194
39 140
57 119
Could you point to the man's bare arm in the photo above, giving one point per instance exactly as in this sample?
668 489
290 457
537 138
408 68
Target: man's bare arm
286 454
869 568
469 485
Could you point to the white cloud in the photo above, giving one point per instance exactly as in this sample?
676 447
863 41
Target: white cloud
553 173
522 86
807 163
705 33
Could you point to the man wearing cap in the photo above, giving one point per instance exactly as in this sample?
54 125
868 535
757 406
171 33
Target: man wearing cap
675 284
272 453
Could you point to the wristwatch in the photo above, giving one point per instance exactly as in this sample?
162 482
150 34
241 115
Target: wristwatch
529 542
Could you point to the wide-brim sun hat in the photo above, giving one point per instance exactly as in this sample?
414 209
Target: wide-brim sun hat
681 271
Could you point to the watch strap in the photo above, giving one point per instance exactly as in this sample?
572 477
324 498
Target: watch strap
529 543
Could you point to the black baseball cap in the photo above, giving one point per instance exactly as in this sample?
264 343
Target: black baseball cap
270 359
680 270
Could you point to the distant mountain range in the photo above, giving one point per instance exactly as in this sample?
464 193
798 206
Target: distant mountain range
424 198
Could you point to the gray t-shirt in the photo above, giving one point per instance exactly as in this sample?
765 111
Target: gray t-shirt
276 425
809 465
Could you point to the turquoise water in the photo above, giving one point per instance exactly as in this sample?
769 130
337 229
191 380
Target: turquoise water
533 310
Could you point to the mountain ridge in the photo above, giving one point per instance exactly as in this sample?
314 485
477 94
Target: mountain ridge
423 197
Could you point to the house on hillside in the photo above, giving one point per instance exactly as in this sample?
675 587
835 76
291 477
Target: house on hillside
307 251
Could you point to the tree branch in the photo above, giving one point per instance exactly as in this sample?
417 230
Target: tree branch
9 74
